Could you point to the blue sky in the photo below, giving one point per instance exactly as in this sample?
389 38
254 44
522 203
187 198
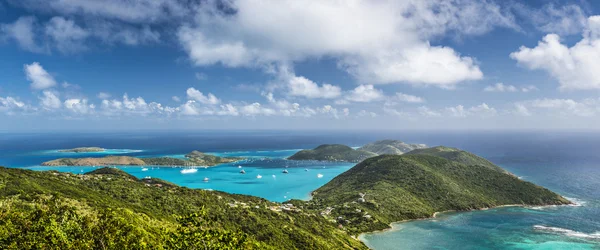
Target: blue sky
244 64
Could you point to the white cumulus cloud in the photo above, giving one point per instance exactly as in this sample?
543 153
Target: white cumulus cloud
11 105
301 86
500 87
40 79
255 109
364 93
408 98
375 41
23 31
67 35
50 100
575 67
79 106
196 95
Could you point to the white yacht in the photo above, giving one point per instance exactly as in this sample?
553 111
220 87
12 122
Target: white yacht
188 171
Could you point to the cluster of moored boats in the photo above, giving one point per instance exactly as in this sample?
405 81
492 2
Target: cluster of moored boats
242 171
285 171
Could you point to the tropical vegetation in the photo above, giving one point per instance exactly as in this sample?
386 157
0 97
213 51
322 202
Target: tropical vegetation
332 152
109 209
390 188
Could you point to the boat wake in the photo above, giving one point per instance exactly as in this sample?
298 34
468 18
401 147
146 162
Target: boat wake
568 232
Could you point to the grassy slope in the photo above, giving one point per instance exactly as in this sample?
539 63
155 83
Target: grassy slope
457 155
415 186
332 152
150 209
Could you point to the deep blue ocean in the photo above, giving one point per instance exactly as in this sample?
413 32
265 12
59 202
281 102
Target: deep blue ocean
565 162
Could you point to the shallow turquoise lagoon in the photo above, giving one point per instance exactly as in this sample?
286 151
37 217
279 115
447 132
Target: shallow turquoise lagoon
501 228
263 176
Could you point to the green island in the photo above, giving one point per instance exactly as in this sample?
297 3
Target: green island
332 152
416 185
338 152
111 209
195 158
82 150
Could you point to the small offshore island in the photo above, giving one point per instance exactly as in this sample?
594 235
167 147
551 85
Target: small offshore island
194 158
338 152
394 183
83 150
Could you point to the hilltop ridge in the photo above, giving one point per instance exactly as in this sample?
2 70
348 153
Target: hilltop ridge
457 155
390 147
332 152
339 152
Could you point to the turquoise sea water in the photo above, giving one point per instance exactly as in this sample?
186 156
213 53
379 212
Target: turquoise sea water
500 228
567 163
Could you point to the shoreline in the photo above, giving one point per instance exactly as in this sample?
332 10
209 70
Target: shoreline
361 236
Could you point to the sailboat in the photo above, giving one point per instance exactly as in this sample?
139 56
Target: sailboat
285 171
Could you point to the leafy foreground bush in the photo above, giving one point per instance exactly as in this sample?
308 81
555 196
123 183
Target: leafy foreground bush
51 223
112 210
